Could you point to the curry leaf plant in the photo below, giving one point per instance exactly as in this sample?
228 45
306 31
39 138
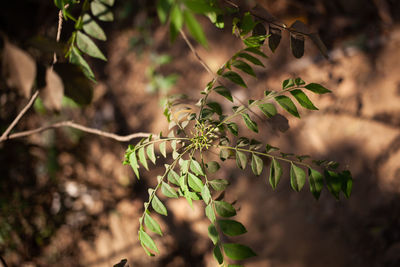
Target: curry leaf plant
193 133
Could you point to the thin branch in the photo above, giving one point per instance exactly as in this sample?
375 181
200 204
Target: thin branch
4 136
120 138
204 64
208 69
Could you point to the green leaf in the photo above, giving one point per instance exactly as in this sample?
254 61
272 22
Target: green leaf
173 177
150 153
287 83
269 148
146 250
195 167
257 164
134 164
194 28
224 154
195 183
163 8
219 184
234 77
224 92
212 166
287 104
231 227
252 59
158 206
275 173
224 209
317 88
241 159
205 193
333 183
303 99
243 66
247 23
347 183
86 45
108 2
233 128
176 23
200 7
76 58
238 251
274 38
213 234
299 81
268 109
218 255
152 224
168 191
102 12
215 107
256 51
316 182
210 213
252 125
297 177
142 158
92 28
163 149
147 240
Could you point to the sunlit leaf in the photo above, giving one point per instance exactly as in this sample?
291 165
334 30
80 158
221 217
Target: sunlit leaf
147 240
173 177
206 195
101 11
196 167
134 164
241 159
287 83
317 88
235 78
219 184
303 99
210 213
142 157
238 251
231 227
152 224
176 21
252 125
250 58
268 109
275 173
287 104
92 28
224 92
194 182
168 191
224 209
257 164
76 58
213 234
243 66
163 149
150 153
158 206
297 177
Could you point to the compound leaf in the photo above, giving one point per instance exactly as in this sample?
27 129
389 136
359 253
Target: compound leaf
268 109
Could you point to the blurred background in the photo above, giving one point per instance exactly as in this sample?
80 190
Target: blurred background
66 198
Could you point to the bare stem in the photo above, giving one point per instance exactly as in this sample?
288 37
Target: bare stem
120 138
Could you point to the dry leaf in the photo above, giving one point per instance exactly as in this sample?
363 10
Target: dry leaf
53 93
19 69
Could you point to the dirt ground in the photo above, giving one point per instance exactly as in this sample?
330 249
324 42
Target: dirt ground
94 201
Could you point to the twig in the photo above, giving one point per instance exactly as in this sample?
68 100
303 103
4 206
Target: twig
4 136
120 138
19 116
208 69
